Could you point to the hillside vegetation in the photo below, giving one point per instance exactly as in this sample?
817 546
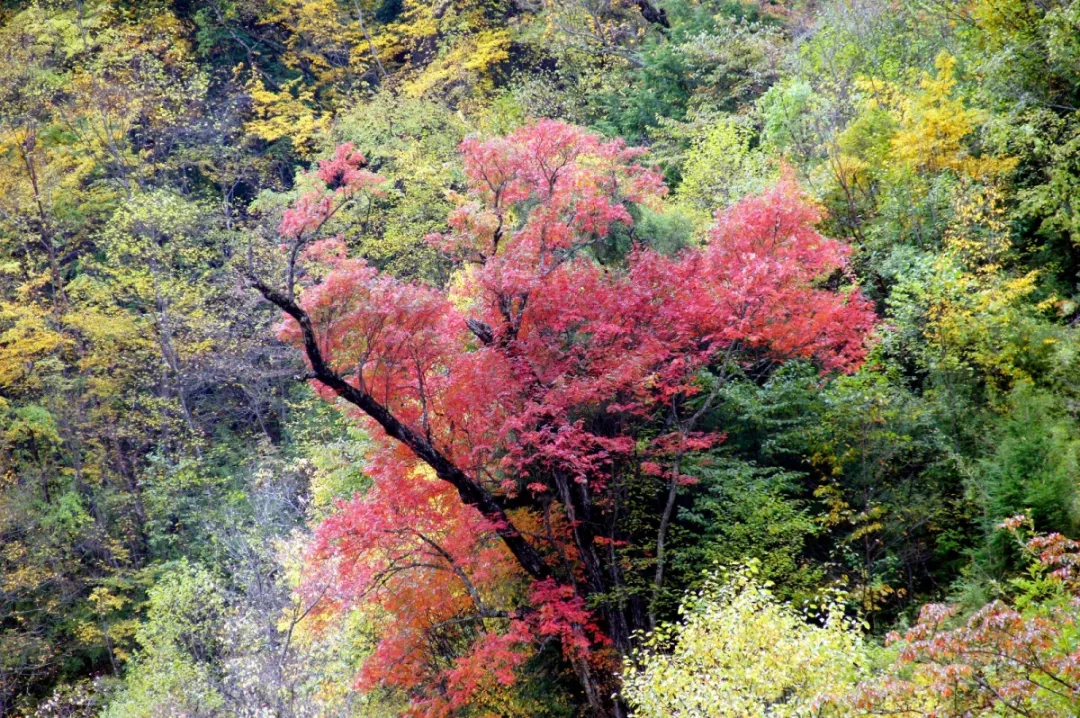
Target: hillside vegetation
527 358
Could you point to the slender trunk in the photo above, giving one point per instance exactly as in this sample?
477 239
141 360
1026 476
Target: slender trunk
370 42
588 684
585 541
135 490
661 539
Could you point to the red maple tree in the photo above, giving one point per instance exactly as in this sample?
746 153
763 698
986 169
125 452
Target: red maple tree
511 411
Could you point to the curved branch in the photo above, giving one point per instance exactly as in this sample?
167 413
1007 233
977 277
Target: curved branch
470 491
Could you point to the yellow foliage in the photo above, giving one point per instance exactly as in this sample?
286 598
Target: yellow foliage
978 235
26 335
24 574
319 36
471 57
934 125
976 310
741 653
289 112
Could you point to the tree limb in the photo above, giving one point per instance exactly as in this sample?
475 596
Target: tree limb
470 491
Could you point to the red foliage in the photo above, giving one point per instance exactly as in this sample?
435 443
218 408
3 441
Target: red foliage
561 613
1005 659
342 176
541 374
427 563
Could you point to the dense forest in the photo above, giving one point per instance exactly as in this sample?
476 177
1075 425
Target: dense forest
525 358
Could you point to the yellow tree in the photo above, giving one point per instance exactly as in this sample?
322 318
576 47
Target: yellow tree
739 652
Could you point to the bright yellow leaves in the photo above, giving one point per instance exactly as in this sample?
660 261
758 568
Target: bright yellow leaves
470 59
425 49
318 33
26 336
287 113
905 137
934 126
110 627
447 49
452 46
741 653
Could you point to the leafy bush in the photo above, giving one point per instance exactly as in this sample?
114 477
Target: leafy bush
739 652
